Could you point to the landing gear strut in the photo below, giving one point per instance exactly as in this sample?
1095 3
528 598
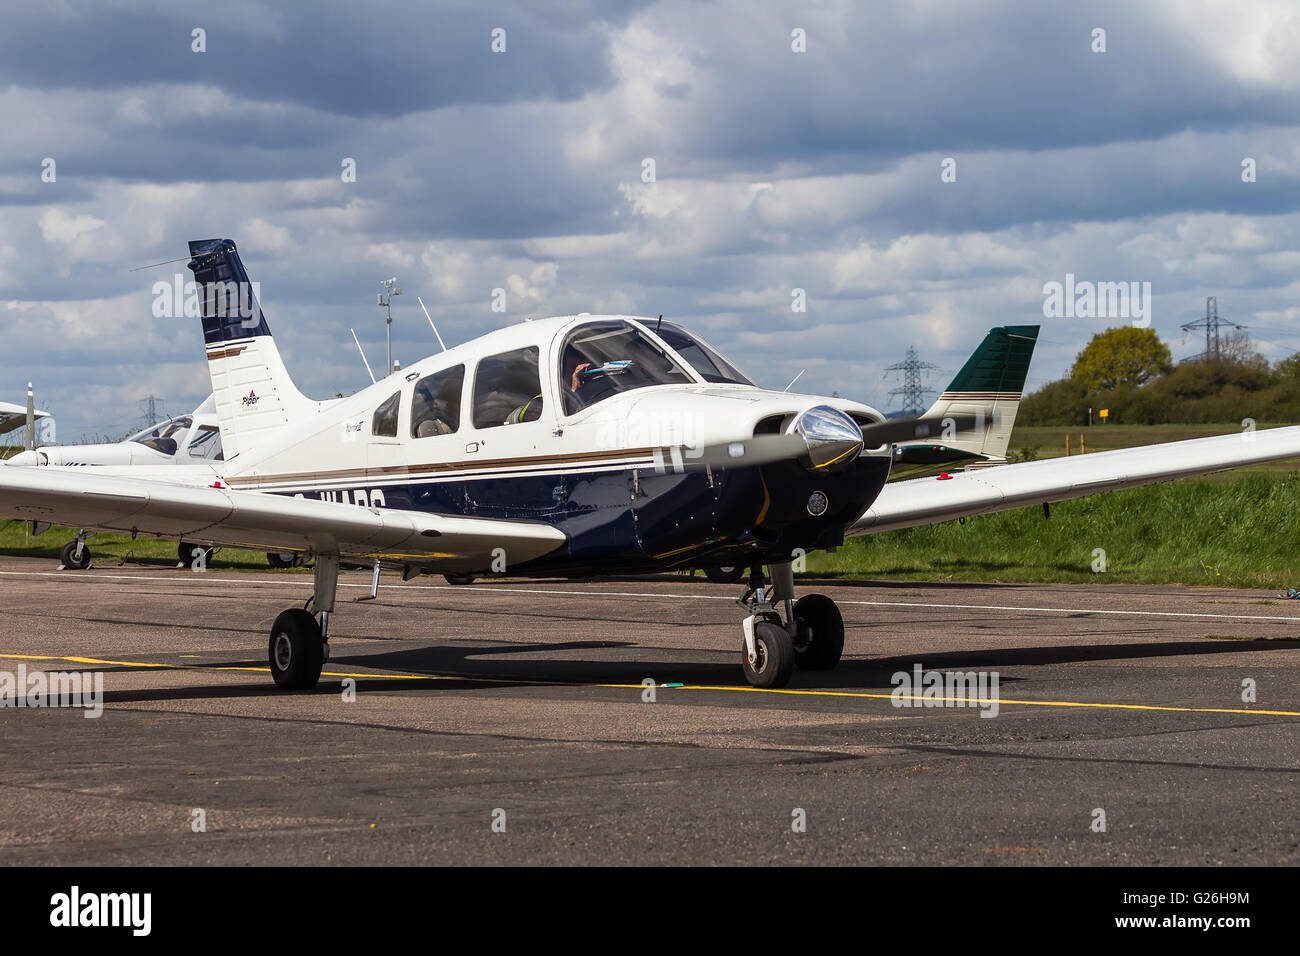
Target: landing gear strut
781 633
299 646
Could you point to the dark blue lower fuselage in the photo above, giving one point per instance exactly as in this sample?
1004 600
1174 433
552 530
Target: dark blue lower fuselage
635 521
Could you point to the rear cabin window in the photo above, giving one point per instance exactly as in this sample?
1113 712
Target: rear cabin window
385 422
507 389
435 403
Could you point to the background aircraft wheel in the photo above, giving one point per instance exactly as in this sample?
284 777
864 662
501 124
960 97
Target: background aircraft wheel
776 656
188 552
296 650
459 578
725 575
279 559
820 615
69 560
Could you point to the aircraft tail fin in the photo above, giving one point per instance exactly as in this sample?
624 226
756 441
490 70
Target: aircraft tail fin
254 395
989 386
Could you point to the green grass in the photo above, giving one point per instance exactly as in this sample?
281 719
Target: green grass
111 549
1235 529
1234 532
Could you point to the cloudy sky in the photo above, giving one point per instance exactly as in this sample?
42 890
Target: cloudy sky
525 170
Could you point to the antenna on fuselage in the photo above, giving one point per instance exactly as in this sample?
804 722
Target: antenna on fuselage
154 265
430 318
793 380
363 355
659 323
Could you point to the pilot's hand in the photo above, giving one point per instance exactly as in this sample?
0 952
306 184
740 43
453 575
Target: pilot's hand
578 371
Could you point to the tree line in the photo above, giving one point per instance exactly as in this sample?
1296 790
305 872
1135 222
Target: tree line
1131 372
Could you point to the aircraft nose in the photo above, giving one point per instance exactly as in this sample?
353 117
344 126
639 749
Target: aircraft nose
23 458
834 440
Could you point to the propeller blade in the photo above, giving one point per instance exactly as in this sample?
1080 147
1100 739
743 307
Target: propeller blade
759 450
911 429
766 449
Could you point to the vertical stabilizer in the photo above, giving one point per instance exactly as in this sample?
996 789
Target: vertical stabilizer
255 398
989 386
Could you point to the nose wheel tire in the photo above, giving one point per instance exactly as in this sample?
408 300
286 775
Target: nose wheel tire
774 656
459 578
822 626
296 651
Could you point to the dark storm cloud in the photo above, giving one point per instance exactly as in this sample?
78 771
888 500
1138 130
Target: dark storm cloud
378 58
881 81
776 170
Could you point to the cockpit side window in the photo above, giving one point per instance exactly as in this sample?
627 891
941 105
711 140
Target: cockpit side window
711 366
435 403
600 359
166 437
507 389
384 424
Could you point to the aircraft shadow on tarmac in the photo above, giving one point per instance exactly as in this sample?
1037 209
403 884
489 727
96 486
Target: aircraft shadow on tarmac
465 666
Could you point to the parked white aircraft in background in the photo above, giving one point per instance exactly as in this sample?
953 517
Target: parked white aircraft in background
13 417
576 445
191 442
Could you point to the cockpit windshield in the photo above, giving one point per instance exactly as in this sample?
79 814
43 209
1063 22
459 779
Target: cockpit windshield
711 366
601 359
166 437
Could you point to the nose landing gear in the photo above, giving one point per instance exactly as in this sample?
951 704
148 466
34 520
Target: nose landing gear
781 633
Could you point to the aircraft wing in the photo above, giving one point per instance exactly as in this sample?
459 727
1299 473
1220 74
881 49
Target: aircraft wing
265 522
15 416
922 501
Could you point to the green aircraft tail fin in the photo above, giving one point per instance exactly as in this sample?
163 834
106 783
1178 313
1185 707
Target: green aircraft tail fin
989 386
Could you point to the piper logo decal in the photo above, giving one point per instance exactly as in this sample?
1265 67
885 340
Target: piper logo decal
250 398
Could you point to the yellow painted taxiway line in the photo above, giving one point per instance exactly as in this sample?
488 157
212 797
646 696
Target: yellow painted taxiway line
227 667
969 701
972 702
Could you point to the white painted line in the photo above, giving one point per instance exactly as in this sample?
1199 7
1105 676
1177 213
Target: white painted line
1083 610
208 578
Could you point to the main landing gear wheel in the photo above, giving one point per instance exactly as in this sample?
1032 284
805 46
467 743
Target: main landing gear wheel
459 578
725 575
821 629
75 555
299 643
296 650
773 656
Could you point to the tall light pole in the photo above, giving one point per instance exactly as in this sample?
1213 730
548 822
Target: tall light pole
386 300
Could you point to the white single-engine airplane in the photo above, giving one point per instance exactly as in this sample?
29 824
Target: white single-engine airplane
576 445
192 440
